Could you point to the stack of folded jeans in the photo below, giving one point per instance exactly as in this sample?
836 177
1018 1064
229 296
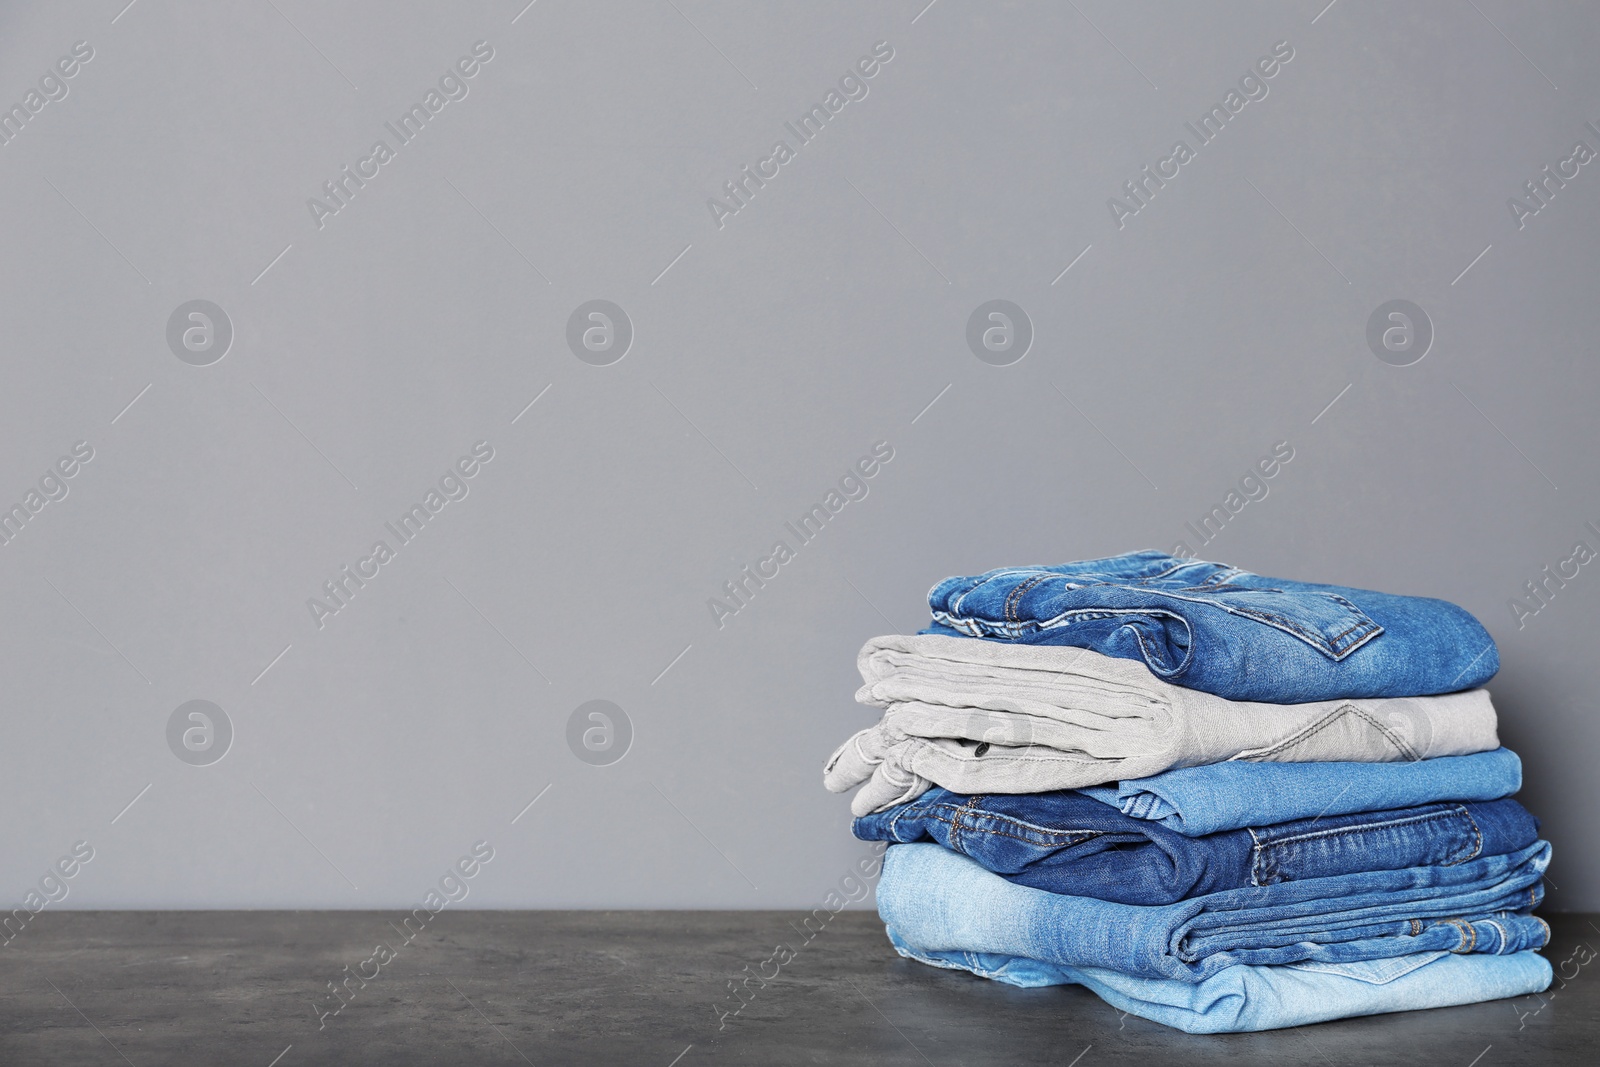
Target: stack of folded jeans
1220 801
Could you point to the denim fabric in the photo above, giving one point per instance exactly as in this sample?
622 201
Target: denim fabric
1242 999
985 717
1065 842
1227 796
1222 630
943 901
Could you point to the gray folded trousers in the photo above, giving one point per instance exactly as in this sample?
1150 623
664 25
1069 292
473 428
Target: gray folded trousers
983 717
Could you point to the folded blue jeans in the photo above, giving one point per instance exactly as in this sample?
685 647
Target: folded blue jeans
1226 631
943 901
1235 794
1241 999
1065 842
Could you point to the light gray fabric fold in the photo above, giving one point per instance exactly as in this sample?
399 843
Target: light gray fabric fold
983 717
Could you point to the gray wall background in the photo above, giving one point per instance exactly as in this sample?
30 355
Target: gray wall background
768 355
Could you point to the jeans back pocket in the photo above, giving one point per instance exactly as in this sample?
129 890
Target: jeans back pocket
1434 835
1326 621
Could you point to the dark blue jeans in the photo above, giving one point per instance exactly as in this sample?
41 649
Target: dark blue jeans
1226 631
1065 842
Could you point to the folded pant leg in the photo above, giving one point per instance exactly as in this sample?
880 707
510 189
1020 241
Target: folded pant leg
1250 998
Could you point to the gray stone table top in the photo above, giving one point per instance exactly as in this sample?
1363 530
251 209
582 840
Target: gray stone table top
547 987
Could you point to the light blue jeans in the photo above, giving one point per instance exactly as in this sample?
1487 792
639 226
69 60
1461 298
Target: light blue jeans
943 901
1238 999
1195 801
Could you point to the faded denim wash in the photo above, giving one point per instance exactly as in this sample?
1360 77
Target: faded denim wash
1242 999
942 901
1226 631
1226 796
